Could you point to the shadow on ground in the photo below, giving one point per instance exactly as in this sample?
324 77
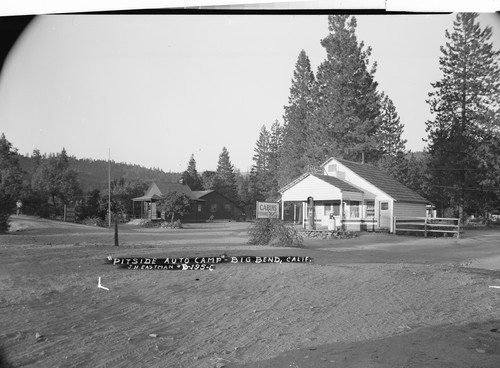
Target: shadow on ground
465 346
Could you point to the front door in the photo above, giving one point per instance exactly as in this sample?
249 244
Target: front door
154 214
384 215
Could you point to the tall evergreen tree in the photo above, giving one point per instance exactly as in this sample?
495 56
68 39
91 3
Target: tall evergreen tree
393 156
264 172
297 132
208 179
345 119
225 179
465 104
275 144
261 151
191 177
390 129
489 166
260 168
36 158
243 183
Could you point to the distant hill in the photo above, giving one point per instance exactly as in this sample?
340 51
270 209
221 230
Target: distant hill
93 174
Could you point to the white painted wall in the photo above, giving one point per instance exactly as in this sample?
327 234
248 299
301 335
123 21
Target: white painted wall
407 209
311 186
371 192
344 173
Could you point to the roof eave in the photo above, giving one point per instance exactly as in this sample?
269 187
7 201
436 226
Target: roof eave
293 182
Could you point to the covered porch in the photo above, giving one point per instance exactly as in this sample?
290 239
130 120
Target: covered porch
331 214
145 207
328 203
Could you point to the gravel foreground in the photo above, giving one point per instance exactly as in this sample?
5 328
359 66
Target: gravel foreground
373 301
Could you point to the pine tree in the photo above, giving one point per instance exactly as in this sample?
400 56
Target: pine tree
36 158
243 182
489 166
191 177
225 179
390 130
263 175
208 179
297 133
345 119
465 105
258 172
393 156
275 144
261 151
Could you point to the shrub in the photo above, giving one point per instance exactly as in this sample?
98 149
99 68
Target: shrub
274 232
93 221
150 223
175 225
4 221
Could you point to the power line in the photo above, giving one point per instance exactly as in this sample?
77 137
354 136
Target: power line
447 169
470 189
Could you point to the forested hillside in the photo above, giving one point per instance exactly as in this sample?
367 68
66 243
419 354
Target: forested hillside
93 174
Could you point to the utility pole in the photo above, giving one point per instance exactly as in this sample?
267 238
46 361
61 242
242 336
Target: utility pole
109 188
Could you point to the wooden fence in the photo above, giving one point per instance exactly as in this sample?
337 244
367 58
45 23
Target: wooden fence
427 225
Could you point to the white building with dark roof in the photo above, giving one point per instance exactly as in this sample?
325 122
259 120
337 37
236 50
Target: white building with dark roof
353 196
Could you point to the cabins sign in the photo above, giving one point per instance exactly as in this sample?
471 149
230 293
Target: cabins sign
267 210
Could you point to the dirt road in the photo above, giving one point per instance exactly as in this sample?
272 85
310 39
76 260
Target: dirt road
373 301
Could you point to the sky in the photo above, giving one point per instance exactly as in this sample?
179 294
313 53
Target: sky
154 89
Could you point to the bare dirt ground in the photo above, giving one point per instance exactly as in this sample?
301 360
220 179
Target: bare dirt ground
374 301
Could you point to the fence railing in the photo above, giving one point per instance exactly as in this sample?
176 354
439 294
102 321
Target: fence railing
428 225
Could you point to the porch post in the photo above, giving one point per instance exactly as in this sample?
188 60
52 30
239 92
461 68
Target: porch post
304 214
342 213
282 209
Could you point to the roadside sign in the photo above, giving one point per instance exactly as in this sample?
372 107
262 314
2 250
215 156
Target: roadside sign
268 210
69 214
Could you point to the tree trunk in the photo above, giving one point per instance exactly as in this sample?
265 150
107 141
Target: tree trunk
54 203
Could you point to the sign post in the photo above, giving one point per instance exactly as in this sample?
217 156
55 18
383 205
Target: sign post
69 214
267 210
310 213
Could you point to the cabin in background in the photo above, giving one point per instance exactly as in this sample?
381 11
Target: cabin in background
205 204
212 203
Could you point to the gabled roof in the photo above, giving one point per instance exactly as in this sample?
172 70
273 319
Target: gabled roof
201 193
332 180
177 187
383 181
293 182
145 198
156 190
336 182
